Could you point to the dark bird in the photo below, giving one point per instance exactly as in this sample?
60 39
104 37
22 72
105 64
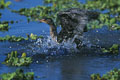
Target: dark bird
53 28
72 21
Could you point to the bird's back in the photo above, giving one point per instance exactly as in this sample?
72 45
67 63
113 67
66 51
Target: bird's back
73 21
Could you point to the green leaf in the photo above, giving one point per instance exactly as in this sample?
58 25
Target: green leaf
7 3
112 20
104 50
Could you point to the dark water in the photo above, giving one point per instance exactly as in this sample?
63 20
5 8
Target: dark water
62 61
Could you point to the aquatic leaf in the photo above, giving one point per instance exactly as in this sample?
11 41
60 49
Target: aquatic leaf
16 55
113 50
4 26
111 75
14 60
23 55
115 46
19 38
7 3
18 75
12 54
104 50
29 75
0 15
112 20
4 4
33 37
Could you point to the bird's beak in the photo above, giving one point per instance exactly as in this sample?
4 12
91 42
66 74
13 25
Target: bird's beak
42 20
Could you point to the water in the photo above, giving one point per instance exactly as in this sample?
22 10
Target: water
53 61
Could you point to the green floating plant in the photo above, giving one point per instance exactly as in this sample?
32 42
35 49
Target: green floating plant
4 26
0 15
94 24
111 9
33 36
13 60
12 38
4 4
109 18
38 12
112 75
114 49
18 75
19 38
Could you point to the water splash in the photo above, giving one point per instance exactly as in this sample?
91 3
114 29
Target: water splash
50 47
91 40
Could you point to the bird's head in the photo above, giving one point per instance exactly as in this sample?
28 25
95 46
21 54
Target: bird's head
47 21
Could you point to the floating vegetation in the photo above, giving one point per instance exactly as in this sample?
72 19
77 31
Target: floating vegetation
94 24
33 36
112 75
19 38
114 49
110 18
18 75
4 4
111 10
38 12
0 15
12 38
4 26
13 59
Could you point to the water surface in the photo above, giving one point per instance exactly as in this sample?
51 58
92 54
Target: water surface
61 61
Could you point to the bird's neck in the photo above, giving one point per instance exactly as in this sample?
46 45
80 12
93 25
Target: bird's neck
53 31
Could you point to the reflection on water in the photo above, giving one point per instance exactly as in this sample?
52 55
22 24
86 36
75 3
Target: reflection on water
58 61
69 67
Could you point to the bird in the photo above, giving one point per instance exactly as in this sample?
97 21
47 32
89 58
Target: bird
53 28
58 37
73 22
